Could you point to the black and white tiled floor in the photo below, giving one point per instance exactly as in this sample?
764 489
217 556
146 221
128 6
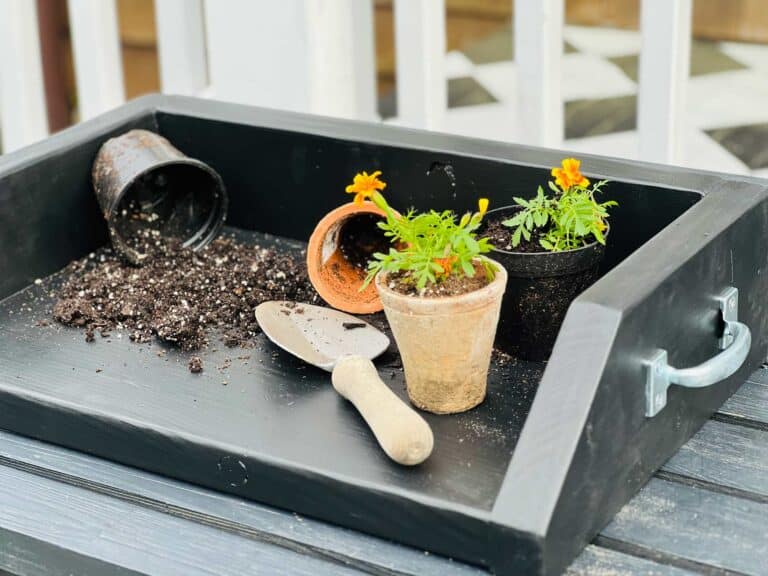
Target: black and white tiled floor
726 124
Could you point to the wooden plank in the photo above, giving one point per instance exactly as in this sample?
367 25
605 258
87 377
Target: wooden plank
692 528
760 375
181 46
740 20
22 92
22 554
137 23
611 14
420 52
724 456
210 508
599 561
96 49
290 531
538 56
54 47
134 537
664 65
749 404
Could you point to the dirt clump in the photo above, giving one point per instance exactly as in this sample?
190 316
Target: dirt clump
195 365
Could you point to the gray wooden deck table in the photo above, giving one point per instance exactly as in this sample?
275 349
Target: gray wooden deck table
62 512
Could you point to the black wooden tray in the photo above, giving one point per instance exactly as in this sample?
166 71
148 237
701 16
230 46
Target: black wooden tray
518 484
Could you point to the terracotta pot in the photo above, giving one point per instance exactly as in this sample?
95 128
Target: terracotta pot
336 279
445 343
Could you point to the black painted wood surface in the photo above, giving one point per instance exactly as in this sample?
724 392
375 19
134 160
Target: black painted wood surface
269 404
556 493
63 512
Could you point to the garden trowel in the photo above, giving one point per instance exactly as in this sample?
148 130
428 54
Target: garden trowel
345 345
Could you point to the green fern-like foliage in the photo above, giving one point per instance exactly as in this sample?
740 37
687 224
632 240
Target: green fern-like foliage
430 246
566 220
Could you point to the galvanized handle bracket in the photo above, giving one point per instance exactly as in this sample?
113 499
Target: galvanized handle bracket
734 343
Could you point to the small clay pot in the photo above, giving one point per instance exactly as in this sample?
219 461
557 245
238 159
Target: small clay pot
338 273
541 287
445 343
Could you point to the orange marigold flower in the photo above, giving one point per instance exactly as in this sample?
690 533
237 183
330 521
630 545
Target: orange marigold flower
365 185
446 263
569 175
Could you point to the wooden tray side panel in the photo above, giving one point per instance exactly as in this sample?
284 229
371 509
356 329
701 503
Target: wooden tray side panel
618 447
48 212
282 182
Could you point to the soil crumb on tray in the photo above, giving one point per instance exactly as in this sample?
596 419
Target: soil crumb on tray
180 296
195 365
449 286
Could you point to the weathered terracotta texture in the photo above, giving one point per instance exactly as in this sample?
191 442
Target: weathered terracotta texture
445 343
337 281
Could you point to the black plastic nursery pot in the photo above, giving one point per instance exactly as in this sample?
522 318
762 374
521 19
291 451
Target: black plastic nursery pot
540 288
143 183
519 484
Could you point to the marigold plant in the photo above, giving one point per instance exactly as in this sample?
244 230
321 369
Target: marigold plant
427 247
569 218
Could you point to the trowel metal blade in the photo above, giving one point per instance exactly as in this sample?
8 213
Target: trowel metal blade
318 335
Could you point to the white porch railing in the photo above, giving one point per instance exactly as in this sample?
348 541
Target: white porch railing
318 56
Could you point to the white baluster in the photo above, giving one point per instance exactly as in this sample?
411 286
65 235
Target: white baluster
342 66
22 93
181 46
538 55
306 55
420 52
364 59
664 66
96 48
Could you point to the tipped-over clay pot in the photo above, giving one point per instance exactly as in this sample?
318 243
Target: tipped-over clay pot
336 280
445 343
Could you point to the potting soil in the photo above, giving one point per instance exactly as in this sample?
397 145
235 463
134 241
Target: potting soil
181 296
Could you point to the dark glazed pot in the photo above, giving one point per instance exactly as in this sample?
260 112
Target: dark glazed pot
540 288
143 183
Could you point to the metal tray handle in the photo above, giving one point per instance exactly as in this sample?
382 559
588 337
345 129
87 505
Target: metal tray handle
734 343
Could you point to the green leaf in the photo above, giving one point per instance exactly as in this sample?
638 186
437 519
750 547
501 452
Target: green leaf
467 268
599 236
516 237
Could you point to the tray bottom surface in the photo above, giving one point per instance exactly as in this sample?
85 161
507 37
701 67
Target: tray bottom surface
256 400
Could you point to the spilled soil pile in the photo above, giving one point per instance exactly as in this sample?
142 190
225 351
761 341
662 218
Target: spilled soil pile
181 296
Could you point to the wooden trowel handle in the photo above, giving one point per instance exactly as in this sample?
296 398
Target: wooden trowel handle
403 434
